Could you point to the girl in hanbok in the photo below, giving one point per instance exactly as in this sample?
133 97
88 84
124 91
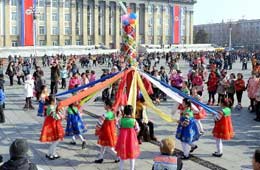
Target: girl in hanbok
52 130
127 146
223 129
43 101
187 130
75 126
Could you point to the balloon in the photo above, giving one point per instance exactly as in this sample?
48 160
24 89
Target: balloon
125 17
132 21
126 22
133 16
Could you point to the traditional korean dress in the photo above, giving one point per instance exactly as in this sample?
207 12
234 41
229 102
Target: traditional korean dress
52 129
127 146
223 128
187 130
75 125
106 130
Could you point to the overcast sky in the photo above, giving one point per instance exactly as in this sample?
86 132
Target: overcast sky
211 11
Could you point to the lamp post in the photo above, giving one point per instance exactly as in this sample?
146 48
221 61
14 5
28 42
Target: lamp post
33 11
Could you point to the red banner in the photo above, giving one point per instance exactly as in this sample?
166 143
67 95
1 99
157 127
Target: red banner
28 23
176 24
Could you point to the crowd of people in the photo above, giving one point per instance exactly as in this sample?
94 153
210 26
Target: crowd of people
135 128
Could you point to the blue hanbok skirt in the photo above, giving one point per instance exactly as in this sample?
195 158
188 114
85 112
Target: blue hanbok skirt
188 134
41 109
75 125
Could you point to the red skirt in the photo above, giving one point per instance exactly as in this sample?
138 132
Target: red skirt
107 134
223 128
52 130
201 114
127 146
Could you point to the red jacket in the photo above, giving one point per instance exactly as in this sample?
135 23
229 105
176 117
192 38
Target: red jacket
212 82
240 85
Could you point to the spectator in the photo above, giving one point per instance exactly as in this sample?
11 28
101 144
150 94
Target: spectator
74 81
256 160
10 71
64 75
18 157
240 88
92 76
2 101
251 91
28 92
167 160
55 76
212 87
38 81
257 100
231 88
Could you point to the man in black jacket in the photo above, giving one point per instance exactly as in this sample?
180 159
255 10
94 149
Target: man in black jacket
18 157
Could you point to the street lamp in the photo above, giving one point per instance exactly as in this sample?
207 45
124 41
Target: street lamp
33 11
230 36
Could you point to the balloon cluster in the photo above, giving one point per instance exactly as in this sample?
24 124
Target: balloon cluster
128 49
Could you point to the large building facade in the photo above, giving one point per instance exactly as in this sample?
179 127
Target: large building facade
245 33
98 22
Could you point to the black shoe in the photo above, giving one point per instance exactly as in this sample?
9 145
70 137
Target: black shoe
117 160
73 143
99 161
84 145
185 157
193 148
257 119
215 154
56 156
1 158
50 157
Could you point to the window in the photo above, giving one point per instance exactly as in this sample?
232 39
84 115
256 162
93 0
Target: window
42 43
54 3
14 44
14 30
77 30
150 31
14 16
41 3
54 16
41 17
67 4
67 17
150 9
55 43
13 2
67 42
78 42
100 20
41 30
67 30
55 31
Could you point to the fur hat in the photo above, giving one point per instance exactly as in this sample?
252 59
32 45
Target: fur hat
18 148
167 146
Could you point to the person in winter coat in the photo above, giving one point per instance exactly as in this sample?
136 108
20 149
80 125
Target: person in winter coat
2 101
212 87
28 92
240 88
231 88
197 82
55 77
18 157
10 71
251 91
38 81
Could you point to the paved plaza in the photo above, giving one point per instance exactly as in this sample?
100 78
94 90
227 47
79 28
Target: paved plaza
21 124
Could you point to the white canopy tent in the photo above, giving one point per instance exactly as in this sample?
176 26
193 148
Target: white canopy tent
53 50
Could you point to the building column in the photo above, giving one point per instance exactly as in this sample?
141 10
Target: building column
48 23
7 39
2 15
146 23
117 26
61 23
191 27
95 30
85 22
163 25
155 24
107 42
187 28
73 22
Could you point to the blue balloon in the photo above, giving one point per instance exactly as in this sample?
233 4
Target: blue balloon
133 16
126 22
